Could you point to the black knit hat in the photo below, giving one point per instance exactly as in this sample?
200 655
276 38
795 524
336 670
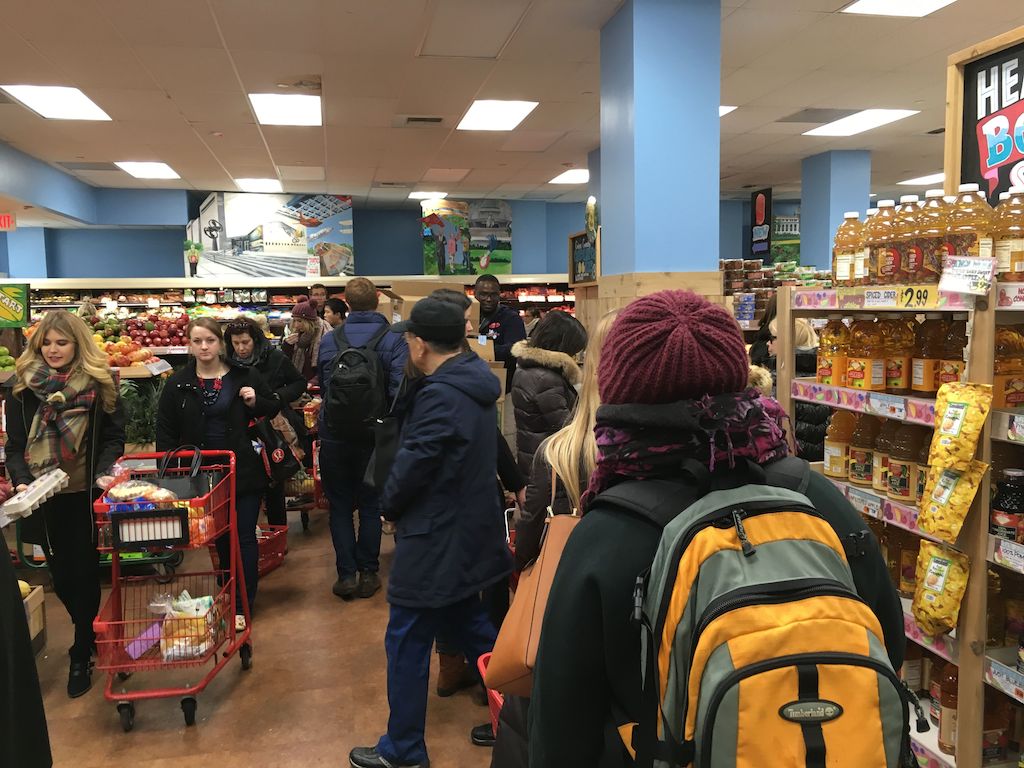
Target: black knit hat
434 320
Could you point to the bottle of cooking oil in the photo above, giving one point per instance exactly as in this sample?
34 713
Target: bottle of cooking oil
933 221
970 224
906 239
866 366
846 248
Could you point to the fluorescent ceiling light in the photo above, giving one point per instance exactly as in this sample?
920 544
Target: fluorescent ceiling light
491 115
259 185
872 196
924 181
286 109
723 111
897 7
428 195
861 121
56 102
573 176
148 170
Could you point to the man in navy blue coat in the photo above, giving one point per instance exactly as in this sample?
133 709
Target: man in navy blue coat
343 458
450 536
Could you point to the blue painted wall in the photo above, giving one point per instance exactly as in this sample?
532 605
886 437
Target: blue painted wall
564 219
832 183
388 242
730 229
3 252
529 236
142 207
115 252
26 252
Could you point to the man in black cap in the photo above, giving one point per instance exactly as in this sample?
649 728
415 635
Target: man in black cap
450 537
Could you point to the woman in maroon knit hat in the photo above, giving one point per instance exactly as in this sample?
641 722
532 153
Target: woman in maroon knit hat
673 386
302 344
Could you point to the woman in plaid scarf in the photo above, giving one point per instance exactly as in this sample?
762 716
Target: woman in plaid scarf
66 413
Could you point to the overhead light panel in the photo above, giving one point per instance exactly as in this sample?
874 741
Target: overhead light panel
428 195
148 170
286 109
924 181
56 102
572 176
723 111
913 8
493 115
861 121
259 185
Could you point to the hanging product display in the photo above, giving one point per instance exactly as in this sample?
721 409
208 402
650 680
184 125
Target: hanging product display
941 582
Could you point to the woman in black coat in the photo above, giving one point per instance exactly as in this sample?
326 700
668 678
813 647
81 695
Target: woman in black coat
209 403
65 412
248 347
544 384
811 420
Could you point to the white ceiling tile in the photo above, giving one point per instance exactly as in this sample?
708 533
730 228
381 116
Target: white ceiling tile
445 174
201 70
181 24
531 141
471 28
302 172
230 106
440 86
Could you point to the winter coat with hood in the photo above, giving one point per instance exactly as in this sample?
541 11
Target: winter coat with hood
180 419
278 372
450 536
810 420
543 396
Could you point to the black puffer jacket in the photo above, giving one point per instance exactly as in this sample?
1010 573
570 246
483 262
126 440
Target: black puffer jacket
811 420
543 395
278 372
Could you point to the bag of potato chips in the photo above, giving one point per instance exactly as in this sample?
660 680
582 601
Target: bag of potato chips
947 499
960 413
941 583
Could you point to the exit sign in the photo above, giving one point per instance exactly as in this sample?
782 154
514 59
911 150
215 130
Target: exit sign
7 222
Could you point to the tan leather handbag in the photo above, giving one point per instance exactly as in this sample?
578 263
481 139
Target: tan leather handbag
515 651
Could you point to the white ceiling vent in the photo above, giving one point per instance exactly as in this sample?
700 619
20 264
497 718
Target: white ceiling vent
417 121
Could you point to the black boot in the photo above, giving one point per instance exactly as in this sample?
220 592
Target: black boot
482 735
79 678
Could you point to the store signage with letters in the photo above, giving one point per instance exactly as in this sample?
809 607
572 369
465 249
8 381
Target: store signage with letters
7 222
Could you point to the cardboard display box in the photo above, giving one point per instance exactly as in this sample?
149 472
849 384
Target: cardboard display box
396 302
35 612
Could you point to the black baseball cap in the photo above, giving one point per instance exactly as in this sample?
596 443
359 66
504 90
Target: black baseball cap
434 320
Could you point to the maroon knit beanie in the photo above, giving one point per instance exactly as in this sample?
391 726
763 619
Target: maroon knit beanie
671 346
306 309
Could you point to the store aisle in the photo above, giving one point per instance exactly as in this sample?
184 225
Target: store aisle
316 689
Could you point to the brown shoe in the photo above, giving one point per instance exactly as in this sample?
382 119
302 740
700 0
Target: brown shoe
455 674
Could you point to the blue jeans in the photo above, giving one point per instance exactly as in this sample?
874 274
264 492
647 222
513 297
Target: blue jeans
247 508
408 642
342 467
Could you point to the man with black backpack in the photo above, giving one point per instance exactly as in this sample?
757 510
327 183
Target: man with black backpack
361 366
719 603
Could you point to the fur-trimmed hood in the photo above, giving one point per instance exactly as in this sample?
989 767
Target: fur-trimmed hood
546 358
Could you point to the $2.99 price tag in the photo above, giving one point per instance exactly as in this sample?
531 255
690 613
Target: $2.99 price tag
914 297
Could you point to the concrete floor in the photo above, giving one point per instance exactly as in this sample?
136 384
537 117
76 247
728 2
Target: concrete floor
316 689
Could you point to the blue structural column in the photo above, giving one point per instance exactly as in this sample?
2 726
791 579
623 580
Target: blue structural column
660 74
26 252
832 183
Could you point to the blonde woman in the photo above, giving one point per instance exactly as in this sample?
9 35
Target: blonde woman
811 420
571 451
66 413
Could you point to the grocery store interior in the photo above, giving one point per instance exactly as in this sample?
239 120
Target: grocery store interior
845 177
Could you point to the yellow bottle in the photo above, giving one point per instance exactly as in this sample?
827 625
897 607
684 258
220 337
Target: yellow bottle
833 352
866 367
933 222
837 444
970 224
898 337
846 249
1008 233
911 257
880 235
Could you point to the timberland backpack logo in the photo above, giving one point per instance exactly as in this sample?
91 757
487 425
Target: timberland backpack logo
811 711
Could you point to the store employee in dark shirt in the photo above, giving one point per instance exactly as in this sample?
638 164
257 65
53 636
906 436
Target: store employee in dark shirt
502 324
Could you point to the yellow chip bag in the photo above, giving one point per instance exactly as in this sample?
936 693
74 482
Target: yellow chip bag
941 583
960 413
947 499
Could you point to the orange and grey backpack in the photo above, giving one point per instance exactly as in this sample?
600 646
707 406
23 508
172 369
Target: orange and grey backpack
757 650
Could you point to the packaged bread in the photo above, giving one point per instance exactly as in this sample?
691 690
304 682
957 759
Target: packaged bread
941 583
960 413
947 499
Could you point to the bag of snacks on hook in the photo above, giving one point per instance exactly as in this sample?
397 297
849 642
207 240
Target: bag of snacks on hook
941 583
947 499
960 413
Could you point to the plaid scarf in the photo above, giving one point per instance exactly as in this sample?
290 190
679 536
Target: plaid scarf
644 442
59 425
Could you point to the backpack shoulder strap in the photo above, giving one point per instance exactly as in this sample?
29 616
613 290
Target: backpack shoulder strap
340 339
375 339
658 501
791 473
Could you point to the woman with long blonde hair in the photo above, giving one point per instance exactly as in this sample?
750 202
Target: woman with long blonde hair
66 413
571 452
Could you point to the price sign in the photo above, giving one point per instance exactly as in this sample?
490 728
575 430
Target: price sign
1010 554
159 366
866 503
881 298
887 406
966 274
919 297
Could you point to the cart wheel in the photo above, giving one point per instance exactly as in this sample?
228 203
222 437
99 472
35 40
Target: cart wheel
305 520
245 654
126 711
177 558
122 676
188 706
164 573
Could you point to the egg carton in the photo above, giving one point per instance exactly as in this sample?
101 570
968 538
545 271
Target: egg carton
22 504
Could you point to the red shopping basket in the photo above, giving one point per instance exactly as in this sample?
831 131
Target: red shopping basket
273 541
495 701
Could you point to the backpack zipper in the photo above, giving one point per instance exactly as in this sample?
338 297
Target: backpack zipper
818 659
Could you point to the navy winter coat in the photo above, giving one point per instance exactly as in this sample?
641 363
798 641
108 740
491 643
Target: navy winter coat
450 537
360 327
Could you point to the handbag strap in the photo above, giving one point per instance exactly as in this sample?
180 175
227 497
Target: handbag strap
554 491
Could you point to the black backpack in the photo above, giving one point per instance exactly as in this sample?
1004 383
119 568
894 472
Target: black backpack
357 392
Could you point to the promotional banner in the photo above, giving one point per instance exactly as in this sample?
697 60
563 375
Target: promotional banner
14 305
992 149
269 235
761 224
584 258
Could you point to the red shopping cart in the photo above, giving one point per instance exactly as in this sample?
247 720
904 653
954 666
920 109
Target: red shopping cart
191 621
495 701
